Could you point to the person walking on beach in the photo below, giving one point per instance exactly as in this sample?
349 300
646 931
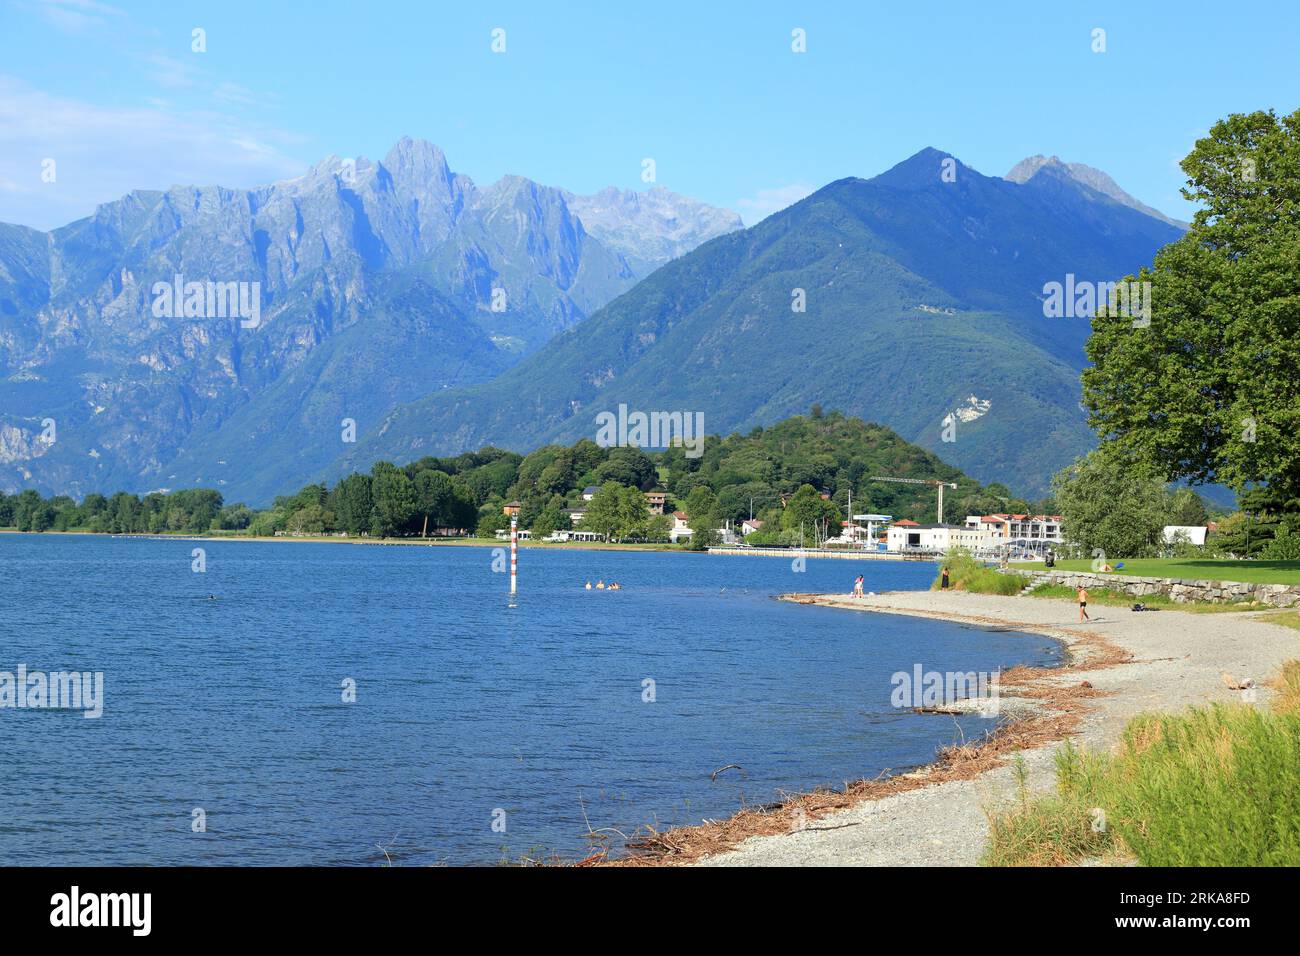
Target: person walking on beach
1083 604
857 587
943 579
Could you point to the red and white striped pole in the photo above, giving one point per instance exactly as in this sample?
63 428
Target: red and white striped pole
514 551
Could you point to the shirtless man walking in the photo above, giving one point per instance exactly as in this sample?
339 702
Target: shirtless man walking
1083 604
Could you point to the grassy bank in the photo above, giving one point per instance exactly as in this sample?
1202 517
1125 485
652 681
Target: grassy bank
1215 786
967 574
1256 572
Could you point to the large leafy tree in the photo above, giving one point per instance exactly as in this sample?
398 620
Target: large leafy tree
1209 391
394 499
603 510
1112 504
433 499
354 504
807 512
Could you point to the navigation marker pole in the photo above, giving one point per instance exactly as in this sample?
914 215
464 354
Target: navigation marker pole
512 510
514 553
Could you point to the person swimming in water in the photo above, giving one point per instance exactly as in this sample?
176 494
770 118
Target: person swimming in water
600 585
588 586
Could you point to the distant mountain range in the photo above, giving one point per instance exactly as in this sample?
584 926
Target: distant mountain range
432 316
924 294
379 283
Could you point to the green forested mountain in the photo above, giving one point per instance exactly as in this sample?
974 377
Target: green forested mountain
923 298
778 473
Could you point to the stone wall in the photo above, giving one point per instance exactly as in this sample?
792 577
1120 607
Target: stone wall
1178 589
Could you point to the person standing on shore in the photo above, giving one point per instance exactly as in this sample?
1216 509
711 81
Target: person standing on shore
943 579
857 587
1083 604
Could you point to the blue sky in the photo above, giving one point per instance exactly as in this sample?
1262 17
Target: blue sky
711 91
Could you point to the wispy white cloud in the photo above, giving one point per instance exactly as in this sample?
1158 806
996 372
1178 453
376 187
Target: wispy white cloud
236 95
101 153
78 16
763 203
169 72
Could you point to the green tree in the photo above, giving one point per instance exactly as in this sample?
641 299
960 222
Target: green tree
433 499
353 504
394 500
633 513
1112 502
235 517
628 466
806 511
548 521
604 511
1186 508
1209 391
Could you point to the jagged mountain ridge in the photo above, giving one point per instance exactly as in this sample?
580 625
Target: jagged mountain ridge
401 259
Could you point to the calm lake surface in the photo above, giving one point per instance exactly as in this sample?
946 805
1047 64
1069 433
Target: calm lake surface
464 706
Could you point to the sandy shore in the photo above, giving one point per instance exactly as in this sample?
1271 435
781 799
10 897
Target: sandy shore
1178 659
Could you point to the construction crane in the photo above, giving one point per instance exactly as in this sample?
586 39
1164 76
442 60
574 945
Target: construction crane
933 482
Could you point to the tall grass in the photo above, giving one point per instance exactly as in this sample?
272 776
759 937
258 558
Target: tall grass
965 573
1215 786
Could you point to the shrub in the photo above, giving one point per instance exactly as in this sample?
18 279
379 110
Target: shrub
965 573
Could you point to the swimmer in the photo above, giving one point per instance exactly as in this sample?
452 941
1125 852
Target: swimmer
600 585
588 586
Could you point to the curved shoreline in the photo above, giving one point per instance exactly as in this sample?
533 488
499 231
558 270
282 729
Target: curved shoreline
936 815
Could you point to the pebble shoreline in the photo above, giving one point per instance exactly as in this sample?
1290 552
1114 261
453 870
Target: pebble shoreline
1178 661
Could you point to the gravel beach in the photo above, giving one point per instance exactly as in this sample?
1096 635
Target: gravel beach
1178 660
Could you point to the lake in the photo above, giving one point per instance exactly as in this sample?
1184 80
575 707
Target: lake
479 732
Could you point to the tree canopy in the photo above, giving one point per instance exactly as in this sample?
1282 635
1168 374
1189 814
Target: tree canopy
1209 390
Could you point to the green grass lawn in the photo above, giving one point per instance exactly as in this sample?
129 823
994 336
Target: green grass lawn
1261 572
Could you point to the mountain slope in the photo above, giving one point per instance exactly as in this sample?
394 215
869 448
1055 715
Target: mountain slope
379 282
923 297
1088 176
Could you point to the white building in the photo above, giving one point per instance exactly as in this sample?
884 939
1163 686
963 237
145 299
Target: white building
910 536
680 528
1195 534
1031 532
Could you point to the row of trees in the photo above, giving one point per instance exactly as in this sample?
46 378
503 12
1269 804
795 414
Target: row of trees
799 460
192 510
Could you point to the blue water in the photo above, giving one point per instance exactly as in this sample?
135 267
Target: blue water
464 705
